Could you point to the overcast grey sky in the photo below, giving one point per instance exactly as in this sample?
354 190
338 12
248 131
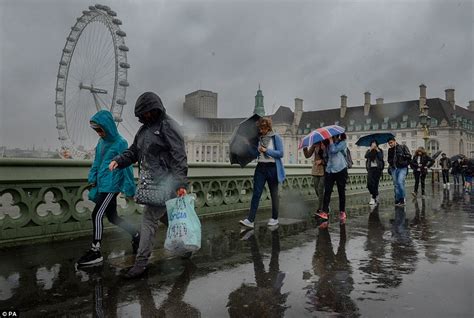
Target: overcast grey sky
314 50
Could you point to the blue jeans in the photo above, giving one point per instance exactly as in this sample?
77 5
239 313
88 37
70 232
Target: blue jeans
399 175
264 172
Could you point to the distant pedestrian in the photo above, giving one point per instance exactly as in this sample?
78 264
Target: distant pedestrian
467 166
319 164
445 164
456 171
420 163
336 172
106 185
269 153
160 151
374 164
399 157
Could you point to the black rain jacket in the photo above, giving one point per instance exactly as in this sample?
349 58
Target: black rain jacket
158 146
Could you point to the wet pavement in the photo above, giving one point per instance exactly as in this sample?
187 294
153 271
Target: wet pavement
389 261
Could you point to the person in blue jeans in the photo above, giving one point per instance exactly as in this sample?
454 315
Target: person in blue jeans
336 173
399 157
269 170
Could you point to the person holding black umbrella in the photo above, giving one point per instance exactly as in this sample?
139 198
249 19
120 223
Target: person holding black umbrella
374 165
269 153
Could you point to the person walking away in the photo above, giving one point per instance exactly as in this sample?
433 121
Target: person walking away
399 158
269 153
160 151
467 166
456 171
420 163
336 172
317 171
106 185
445 164
374 164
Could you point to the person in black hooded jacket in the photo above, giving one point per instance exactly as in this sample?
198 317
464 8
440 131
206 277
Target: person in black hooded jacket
420 163
160 151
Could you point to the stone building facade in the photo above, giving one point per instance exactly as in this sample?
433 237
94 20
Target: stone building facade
451 127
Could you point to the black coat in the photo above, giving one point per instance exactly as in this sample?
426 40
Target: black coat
422 167
158 147
399 156
378 159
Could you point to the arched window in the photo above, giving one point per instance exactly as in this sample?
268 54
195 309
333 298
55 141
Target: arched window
433 146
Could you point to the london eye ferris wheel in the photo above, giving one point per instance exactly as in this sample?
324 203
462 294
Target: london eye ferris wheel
92 76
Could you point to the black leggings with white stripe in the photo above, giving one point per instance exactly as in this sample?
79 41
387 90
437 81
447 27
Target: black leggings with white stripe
107 204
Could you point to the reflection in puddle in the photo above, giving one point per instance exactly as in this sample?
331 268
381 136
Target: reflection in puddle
46 278
7 285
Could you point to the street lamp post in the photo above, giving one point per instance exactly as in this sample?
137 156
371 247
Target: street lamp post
425 125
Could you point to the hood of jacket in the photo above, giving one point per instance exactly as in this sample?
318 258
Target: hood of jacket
149 101
105 120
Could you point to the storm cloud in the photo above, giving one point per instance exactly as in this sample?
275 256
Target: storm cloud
314 50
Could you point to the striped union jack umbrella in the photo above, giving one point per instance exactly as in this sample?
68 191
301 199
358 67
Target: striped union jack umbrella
320 134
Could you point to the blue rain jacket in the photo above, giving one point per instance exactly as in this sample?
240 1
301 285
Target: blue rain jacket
119 180
276 154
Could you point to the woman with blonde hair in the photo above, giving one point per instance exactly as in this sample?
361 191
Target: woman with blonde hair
269 170
420 163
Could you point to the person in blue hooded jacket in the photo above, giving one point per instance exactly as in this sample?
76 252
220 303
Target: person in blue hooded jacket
106 185
270 169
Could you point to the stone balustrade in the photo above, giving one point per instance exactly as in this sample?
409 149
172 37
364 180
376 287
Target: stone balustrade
47 199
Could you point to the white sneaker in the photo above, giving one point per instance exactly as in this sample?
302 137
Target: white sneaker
247 234
448 184
372 201
444 185
246 223
272 222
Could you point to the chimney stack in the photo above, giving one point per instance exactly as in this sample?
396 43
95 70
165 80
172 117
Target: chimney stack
298 113
422 101
343 105
366 103
450 97
379 101
471 106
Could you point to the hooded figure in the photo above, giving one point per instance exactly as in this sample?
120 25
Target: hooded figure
160 151
109 146
158 147
106 185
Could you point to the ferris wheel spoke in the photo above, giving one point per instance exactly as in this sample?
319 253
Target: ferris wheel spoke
104 76
105 62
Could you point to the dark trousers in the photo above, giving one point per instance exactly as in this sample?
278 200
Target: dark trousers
373 180
264 173
107 205
445 176
419 176
340 178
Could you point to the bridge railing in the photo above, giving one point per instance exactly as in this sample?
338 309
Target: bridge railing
44 199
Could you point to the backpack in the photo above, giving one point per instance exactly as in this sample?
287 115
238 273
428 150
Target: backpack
348 157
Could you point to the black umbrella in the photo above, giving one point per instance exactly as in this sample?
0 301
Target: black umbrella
243 140
456 157
434 156
381 138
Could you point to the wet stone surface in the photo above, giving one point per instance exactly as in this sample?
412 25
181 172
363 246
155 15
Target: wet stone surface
413 261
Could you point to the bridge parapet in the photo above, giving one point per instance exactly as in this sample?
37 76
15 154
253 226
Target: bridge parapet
47 198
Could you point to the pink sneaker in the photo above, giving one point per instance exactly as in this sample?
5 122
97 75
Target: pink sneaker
321 215
342 217
324 225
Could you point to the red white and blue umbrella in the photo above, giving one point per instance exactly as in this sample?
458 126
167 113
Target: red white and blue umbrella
320 134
